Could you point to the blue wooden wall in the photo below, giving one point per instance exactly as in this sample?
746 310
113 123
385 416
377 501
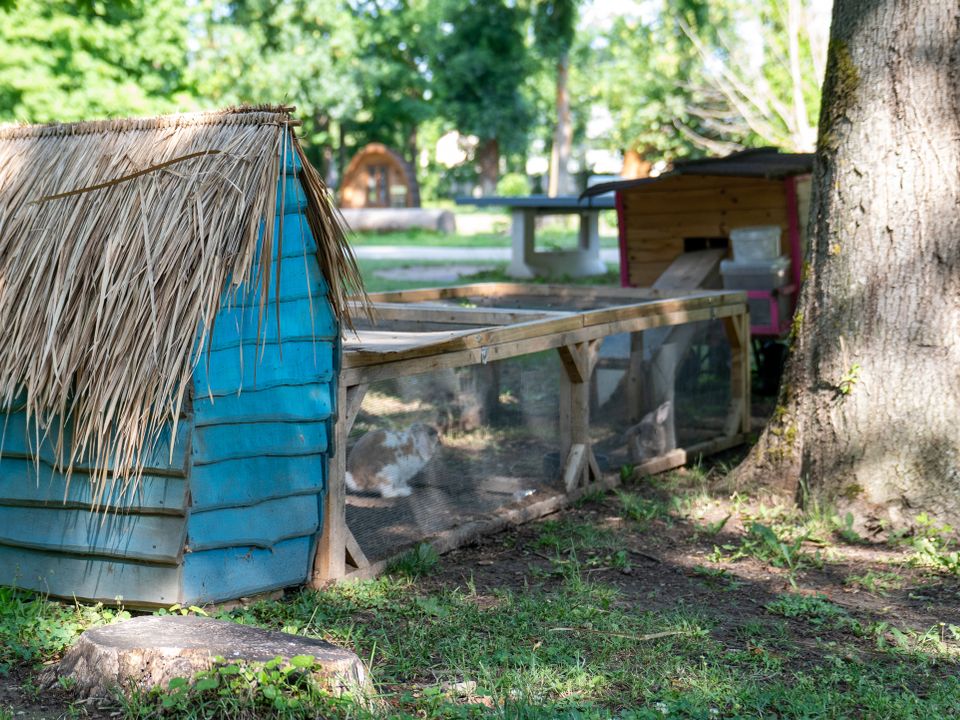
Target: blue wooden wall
236 508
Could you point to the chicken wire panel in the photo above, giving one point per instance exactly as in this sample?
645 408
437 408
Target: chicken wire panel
657 390
433 451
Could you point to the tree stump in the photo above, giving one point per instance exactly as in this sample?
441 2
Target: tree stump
149 651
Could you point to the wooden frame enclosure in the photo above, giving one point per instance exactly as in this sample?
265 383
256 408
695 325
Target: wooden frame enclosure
436 328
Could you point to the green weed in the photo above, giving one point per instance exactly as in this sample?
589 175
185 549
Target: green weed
421 560
33 628
275 689
815 609
762 543
934 546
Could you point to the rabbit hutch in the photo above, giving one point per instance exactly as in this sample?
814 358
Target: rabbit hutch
465 409
161 444
700 204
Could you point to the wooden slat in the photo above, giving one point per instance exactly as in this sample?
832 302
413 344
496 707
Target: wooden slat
250 480
21 485
284 403
216 443
249 367
143 538
263 525
76 577
226 574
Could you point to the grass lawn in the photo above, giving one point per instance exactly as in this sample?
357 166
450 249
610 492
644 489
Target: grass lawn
374 283
677 596
547 238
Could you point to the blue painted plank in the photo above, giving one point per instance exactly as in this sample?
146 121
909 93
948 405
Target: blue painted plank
87 578
215 443
222 372
262 525
282 404
20 484
147 538
216 575
233 325
298 240
297 279
245 481
290 195
19 440
293 164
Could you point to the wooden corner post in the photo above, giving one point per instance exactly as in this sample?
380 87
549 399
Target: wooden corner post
337 546
737 328
578 466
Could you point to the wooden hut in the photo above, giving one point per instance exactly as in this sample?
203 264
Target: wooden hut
171 293
697 204
378 177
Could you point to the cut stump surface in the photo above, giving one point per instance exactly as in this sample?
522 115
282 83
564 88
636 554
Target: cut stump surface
149 651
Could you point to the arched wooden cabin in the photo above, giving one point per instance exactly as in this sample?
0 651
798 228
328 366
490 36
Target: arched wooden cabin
698 203
378 177
172 299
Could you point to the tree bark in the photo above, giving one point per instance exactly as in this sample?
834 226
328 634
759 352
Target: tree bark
559 182
489 160
635 165
868 411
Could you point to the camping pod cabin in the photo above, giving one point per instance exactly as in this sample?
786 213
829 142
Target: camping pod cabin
171 298
379 177
697 204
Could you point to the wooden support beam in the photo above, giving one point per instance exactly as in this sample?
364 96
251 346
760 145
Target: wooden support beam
333 547
635 379
355 555
737 329
573 470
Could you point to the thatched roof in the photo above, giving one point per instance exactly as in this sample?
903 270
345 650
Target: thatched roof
117 241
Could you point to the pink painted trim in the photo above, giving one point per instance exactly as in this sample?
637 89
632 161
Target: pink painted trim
793 232
622 239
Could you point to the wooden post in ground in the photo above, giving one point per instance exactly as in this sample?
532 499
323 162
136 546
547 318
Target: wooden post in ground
337 544
577 464
737 329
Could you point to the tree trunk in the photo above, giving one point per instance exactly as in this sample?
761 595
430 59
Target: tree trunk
489 158
559 183
868 412
635 165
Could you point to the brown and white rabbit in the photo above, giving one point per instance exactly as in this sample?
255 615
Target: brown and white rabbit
649 438
384 461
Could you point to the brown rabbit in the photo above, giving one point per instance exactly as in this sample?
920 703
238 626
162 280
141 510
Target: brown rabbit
649 437
383 461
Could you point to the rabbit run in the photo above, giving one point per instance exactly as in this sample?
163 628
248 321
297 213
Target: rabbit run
384 461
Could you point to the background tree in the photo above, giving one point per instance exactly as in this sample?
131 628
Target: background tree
393 50
479 66
554 27
773 81
649 76
298 52
868 409
110 59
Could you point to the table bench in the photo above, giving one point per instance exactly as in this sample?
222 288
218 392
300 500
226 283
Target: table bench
525 260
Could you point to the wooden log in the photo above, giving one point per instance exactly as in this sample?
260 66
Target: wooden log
150 651
397 219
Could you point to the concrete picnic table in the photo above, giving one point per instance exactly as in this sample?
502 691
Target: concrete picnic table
525 260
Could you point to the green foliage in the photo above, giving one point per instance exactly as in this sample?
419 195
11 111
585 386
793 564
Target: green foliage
815 609
118 59
421 560
275 689
479 64
934 545
643 510
764 544
32 629
513 184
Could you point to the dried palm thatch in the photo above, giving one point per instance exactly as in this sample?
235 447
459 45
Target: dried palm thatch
118 240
